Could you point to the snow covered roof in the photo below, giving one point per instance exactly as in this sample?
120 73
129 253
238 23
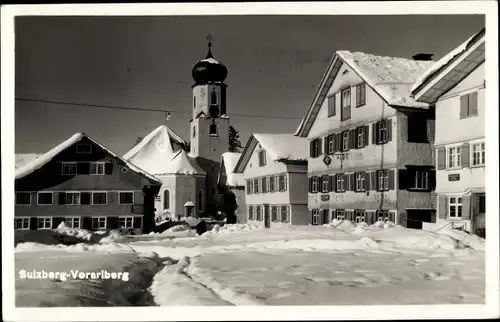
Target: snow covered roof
25 158
228 164
156 154
77 137
390 77
189 204
280 147
434 70
211 61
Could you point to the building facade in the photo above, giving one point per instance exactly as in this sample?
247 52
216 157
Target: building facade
370 143
232 187
456 85
85 185
274 168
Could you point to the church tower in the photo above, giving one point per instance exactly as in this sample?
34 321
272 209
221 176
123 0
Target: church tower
209 127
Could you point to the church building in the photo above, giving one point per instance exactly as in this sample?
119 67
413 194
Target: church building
189 171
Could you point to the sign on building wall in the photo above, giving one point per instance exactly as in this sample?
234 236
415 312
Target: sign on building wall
454 177
325 197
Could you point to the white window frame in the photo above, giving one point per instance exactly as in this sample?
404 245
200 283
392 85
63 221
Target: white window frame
341 182
69 164
263 184
360 181
98 218
478 154
99 204
314 185
325 184
382 215
78 151
383 180
359 216
282 182
272 184
250 212
126 221
119 198
383 132
345 141
256 184
97 165
315 217
360 92
249 187
286 217
44 220
421 180
44 204
360 140
457 204
346 97
274 211
23 204
261 155
453 157
339 214
66 193
23 221
258 213
70 222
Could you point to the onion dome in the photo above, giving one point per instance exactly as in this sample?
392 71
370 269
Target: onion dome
209 70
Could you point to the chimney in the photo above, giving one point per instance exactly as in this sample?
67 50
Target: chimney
421 56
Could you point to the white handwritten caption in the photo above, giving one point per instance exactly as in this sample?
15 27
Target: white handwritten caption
73 274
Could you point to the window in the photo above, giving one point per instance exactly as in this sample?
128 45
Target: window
345 112
126 222
360 95
97 168
99 198
345 141
272 184
325 183
282 182
331 105
315 148
360 139
330 144
73 222
417 129
382 132
259 212
383 180
274 213
194 131
315 217
72 198
256 185
23 198
341 184
385 215
314 184
213 98
263 184
44 198
262 158
481 204
125 198
360 182
83 148
421 179
478 154
284 214
22 223
249 187
68 168
194 101
454 157
166 199
468 105
359 216
250 213
213 130
98 222
340 215
44 222
455 207
200 200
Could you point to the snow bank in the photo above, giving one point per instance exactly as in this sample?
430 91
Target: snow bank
114 237
82 234
283 146
346 225
418 239
78 248
473 241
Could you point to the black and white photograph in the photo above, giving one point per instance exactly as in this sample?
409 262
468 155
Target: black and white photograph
318 159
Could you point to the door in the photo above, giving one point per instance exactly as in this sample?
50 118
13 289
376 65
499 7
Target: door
326 216
479 215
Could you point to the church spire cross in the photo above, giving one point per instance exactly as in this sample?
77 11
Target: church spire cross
209 54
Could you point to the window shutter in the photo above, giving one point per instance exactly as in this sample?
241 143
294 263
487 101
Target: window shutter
352 138
442 207
389 130
367 134
310 184
333 182
62 198
108 168
465 155
390 174
338 142
432 180
473 103
137 222
311 149
441 159
83 168
374 133
466 207
85 198
352 180
319 147
373 178
463 106
367 180
326 143
404 178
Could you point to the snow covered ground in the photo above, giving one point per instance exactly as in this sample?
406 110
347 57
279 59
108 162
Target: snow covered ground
337 264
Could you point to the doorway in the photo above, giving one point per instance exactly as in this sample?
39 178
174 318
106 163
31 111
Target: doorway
479 214
326 216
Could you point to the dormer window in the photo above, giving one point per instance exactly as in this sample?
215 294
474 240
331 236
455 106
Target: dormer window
213 129
83 148
213 98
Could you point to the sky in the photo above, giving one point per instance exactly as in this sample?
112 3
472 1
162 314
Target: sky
275 64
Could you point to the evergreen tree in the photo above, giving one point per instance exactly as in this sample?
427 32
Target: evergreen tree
139 139
234 140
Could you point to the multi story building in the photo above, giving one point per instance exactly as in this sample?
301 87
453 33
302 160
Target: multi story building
85 185
274 167
370 142
456 85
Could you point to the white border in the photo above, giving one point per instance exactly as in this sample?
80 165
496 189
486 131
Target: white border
262 313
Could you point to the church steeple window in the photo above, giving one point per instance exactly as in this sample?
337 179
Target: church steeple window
213 129
194 101
213 98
